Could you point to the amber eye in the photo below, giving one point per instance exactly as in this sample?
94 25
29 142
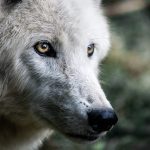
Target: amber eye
90 49
44 48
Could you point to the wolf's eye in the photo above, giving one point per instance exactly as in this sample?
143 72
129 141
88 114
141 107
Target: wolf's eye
44 48
90 49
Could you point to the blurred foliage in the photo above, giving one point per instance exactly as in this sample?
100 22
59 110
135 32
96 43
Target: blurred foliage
126 82
126 73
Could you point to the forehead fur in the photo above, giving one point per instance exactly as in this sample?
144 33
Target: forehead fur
48 14
56 19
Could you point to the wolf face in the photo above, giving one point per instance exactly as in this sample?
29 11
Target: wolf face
49 56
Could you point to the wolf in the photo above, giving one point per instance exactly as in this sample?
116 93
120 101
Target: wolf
50 52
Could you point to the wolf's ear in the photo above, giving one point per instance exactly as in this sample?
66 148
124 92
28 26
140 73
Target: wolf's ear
11 2
8 4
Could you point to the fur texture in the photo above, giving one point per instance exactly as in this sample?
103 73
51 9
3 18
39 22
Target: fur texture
39 93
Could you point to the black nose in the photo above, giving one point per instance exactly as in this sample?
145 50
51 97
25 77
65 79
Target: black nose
102 120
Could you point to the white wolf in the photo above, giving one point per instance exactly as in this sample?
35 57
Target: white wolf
49 56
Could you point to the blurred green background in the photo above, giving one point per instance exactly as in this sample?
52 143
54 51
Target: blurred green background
125 78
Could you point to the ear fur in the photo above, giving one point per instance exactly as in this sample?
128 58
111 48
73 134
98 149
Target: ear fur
11 2
8 4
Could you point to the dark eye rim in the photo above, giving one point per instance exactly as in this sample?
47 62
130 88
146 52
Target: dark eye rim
51 51
92 45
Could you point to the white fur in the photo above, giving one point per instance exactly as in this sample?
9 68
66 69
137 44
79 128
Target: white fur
39 93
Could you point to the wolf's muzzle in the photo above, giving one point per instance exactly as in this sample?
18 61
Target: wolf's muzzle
102 120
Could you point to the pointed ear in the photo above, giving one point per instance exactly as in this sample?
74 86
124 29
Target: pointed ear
11 2
8 4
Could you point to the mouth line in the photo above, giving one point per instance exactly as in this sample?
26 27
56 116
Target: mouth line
83 137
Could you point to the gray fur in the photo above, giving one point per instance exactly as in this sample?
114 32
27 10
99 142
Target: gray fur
39 94
10 2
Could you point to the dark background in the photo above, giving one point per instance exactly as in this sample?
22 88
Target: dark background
125 78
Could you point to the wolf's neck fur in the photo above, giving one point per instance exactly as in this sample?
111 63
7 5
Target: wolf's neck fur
17 131
14 137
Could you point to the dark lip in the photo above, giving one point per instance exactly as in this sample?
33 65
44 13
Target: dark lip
77 137
83 137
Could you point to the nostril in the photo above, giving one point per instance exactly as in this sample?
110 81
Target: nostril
102 120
